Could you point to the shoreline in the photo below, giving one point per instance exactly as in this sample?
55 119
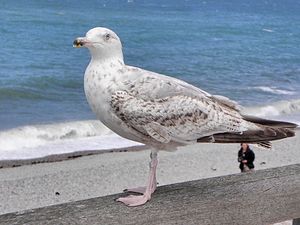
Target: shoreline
65 156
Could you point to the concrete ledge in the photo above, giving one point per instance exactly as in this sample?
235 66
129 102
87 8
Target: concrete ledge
263 197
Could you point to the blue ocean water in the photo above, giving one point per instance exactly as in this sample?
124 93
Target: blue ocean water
248 51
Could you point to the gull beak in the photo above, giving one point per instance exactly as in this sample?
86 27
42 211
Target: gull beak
79 42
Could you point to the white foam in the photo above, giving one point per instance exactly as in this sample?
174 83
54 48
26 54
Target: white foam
283 109
39 135
273 90
37 141
104 142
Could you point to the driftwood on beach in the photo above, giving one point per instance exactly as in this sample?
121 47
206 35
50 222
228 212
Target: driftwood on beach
263 197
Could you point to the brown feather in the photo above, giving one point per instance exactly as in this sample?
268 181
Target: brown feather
271 130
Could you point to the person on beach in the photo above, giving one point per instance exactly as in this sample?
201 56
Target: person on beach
246 158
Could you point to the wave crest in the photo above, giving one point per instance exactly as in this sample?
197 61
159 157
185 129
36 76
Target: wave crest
33 136
275 109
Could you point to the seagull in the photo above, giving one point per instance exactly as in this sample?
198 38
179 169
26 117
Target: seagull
160 111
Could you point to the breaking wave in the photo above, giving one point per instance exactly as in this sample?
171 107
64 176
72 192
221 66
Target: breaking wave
37 135
30 142
277 109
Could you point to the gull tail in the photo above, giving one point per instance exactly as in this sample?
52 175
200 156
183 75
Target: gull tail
270 130
270 123
264 145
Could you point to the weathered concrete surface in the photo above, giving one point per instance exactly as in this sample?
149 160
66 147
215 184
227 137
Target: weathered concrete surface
264 197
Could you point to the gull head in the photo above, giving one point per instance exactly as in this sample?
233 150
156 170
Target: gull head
102 43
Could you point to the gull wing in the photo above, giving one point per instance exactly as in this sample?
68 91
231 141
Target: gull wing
168 109
149 85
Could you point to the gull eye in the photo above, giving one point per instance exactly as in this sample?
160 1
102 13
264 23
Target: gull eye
107 37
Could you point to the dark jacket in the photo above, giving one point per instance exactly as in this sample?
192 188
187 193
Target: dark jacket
249 156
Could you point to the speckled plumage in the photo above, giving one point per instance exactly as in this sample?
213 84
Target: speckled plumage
132 101
161 111
156 109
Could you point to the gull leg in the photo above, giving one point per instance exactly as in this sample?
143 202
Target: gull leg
142 190
136 200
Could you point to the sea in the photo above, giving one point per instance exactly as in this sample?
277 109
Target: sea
246 50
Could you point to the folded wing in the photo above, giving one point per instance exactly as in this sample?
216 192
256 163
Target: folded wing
178 118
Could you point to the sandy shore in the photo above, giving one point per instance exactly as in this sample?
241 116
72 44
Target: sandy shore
38 185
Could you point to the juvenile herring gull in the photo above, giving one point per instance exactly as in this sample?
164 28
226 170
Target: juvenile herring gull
160 111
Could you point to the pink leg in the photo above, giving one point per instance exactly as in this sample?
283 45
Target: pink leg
136 200
142 190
